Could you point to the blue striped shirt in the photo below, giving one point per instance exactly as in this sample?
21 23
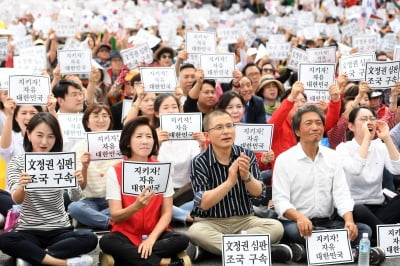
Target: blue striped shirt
207 173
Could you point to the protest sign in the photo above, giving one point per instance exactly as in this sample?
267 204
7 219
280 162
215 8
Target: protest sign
181 125
104 145
50 170
137 175
29 89
255 137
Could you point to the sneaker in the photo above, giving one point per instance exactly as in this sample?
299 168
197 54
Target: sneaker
298 251
194 252
281 253
106 259
185 257
21 262
376 255
84 260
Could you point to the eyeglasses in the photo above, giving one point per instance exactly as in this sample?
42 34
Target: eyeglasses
219 128
268 70
367 118
97 117
166 56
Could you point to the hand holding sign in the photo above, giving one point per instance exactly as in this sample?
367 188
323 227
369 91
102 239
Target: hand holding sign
24 179
297 88
144 198
9 106
199 76
334 93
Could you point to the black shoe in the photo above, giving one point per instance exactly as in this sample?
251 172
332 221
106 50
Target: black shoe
376 256
298 251
281 253
194 252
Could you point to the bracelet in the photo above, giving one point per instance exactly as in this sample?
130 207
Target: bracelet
248 179
134 104
94 81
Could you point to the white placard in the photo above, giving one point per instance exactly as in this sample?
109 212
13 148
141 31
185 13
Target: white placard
181 125
158 79
365 43
73 44
246 249
317 76
200 42
382 75
354 65
74 61
329 247
144 36
126 106
21 43
65 29
139 54
350 29
51 170
248 36
396 55
297 56
278 51
3 48
71 125
217 65
29 89
104 145
388 238
322 55
194 59
5 74
32 59
137 175
276 38
255 137
314 96
388 43
228 35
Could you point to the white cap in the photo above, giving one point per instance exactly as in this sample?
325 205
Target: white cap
251 51
365 235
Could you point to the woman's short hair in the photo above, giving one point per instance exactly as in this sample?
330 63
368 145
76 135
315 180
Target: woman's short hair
227 97
52 122
15 126
129 129
96 108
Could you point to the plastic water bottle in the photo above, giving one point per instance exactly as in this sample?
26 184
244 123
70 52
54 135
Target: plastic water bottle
12 218
363 253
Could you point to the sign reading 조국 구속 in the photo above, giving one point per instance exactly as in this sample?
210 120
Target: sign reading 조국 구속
29 89
50 170
382 75
138 175
246 249
104 145
329 247
255 137
354 65
181 125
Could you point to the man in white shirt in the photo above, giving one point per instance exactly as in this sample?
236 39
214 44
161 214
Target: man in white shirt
305 193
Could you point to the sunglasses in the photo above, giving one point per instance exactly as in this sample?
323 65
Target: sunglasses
166 56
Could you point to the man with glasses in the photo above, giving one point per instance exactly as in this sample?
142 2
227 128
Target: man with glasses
224 178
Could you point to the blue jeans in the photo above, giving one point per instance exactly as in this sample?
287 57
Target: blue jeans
92 212
180 213
291 232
